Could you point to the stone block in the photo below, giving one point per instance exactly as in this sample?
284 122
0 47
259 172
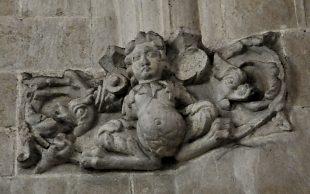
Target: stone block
299 117
55 43
8 92
6 7
296 47
224 21
150 15
182 14
5 185
7 159
212 173
103 8
53 8
307 12
126 13
281 167
42 185
107 183
103 34
153 183
10 41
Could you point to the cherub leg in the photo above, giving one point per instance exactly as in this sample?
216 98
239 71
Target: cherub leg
119 148
220 131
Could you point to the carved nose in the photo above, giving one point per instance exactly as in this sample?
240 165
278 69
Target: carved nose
144 61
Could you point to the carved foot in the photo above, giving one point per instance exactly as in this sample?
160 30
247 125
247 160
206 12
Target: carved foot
89 159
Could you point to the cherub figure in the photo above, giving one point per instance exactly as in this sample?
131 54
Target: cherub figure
159 114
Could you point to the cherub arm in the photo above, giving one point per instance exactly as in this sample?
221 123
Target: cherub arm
129 109
183 97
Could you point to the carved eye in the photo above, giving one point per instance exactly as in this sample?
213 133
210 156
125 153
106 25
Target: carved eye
152 54
136 58
157 122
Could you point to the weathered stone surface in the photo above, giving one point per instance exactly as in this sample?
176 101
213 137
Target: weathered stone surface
40 185
103 34
108 183
53 8
307 12
8 93
182 14
7 151
127 20
10 41
56 43
224 21
103 9
7 7
212 173
301 15
296 47
153 183
150 15
5 185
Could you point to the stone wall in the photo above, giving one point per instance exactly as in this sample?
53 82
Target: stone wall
49 36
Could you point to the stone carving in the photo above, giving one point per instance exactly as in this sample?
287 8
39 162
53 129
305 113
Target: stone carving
158 99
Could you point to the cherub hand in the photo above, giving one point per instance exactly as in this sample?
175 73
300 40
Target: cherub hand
220 129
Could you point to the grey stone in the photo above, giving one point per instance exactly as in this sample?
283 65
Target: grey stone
153 183
187 20
42 185
33 8
109 183
296 49
307 12
156 108
56 43
11 43
224 21
7 151
5 185
7 7
104 9
128 25
103 33
212 173
8 93
150 18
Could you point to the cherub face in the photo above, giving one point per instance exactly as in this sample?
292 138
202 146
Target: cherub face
147 63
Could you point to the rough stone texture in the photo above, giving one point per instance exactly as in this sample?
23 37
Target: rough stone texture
173 20
7 152
150 17
105 28
108 183
296 47
6 7
53 8
307 12
56 43
153 183
10 41
73 34
224 21
8 93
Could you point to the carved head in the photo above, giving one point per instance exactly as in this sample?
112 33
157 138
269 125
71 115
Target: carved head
146 57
